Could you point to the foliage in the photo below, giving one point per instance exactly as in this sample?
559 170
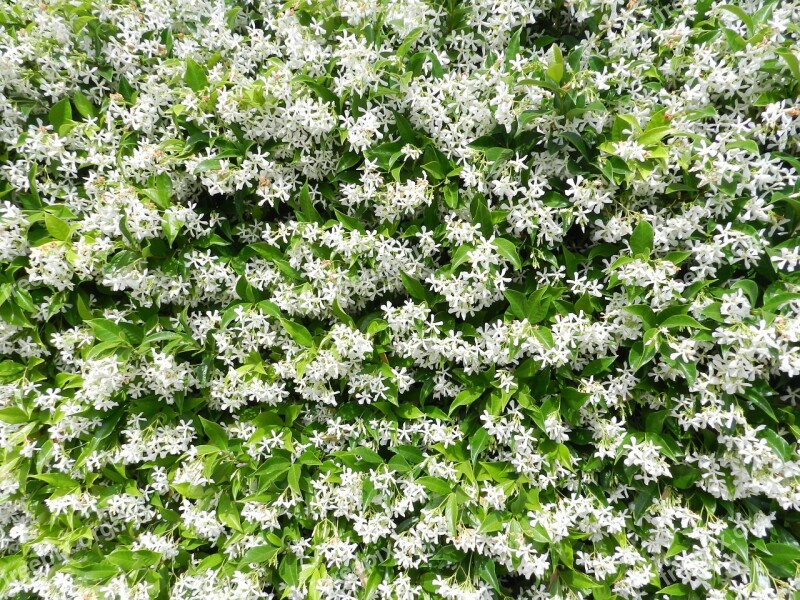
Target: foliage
399 299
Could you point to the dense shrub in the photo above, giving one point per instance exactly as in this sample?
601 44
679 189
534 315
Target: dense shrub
399 299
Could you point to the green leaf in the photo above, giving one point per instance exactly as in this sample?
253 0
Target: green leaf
707 112
195 75
743 16
91 572
598 365
436 485
481 215
513 46
451 194
171 226
209 164
288 570
57 228
641 354
465 398
161 194
538 310
571 402
565 553
105 330
478 442
320 90
414 288
108 331
23 299
271 469
734 540
307 205
412 454
409 40
497 156
368 456
487 573
228 514
781 447
340 314
642 311
435 170
518 303
676 321
508 250
555 69
130 560
13 415
748 145
545 336
215 433
759 401
57 480
642 239
451 513
784 552
347 161
677 257
83 104
791 61
750 289
350 223
654 135
298 333
60 114
577 141
676 589
579 581
684 476
9 370
260 554
491 523
293 478
405 128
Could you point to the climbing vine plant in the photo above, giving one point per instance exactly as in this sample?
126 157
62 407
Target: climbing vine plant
399 299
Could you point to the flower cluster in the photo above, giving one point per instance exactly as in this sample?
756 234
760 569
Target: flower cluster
399 299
